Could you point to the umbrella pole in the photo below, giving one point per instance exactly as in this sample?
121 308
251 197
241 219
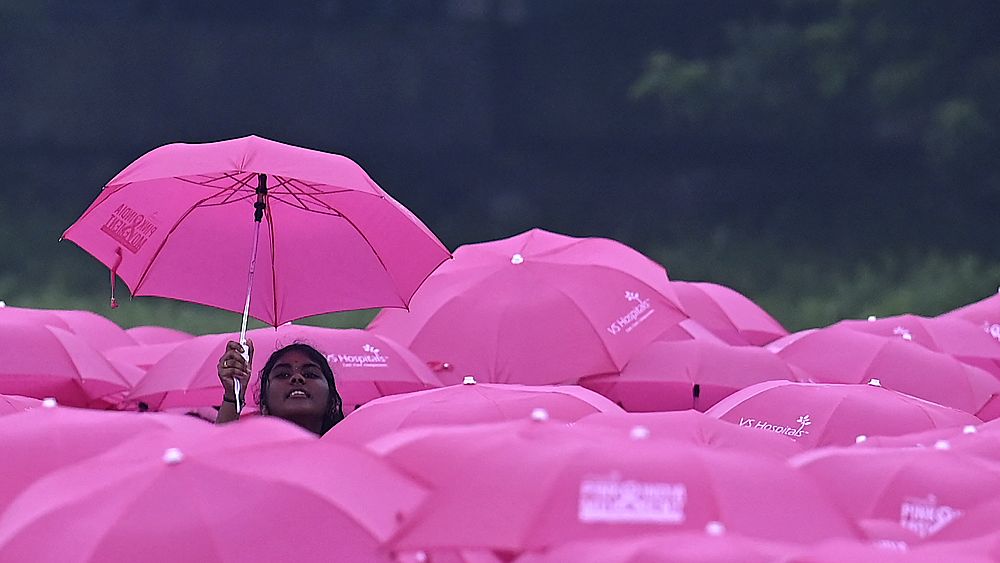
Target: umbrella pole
258 215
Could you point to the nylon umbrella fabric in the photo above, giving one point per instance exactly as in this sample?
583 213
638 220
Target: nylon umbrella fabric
178 223
692 374
815 414
535 308
838 355
468 403
985 312
177 500
13 404
157 334
729 314
187 376
42 361
548 483
696 428
685 547
926 491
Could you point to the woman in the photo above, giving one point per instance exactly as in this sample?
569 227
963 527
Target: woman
296 384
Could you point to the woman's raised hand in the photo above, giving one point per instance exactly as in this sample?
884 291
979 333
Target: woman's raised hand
232 366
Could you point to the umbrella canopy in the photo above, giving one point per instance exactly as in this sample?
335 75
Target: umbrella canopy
838 355
984 312
43 361
12 404
963 340
729 314
44 439
696 428
691 374
924 490
179 500
177 223
536 308
25 315
468 403
156 334
684 547
365 366
983 439
548 483
142 356
98 331
815 414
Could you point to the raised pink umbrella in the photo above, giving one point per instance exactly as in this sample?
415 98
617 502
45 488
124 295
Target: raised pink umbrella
714 546
838 355
365 365
157 334
46 438
692 374
815 414
172 499
535 308
467 403
965 341
548 483
925 491
729 314
41 361
194 222
13 404
696 428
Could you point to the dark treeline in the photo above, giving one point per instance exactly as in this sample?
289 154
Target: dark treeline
815 126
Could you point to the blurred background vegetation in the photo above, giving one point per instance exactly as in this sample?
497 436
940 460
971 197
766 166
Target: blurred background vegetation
828 158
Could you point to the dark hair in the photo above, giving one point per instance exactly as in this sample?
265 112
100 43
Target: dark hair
334 406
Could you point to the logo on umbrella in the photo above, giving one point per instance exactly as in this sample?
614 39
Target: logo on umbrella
642 310
903 332
992 330
924 517
758 424
610 499
371 358
129 228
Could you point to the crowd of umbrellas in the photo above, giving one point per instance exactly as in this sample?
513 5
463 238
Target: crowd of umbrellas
543 399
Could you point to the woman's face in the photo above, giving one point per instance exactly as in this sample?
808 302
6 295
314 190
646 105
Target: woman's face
296 387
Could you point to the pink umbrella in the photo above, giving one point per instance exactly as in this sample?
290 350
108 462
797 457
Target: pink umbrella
23 315
536 308
142 356
365 365
783 342
177 223
833 414
983 439
838 355
925 490
546 484
728 314
44 439
697 428
984 312
187 500
468 403
13 404
42 361
682 547
98 331
692 374
157 335
955 337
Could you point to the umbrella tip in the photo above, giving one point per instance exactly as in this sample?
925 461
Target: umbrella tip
468 380
874 382
942 445
860 439
516 259
907 336
872 318
539 414
639 433
969 429
173 456
3 304
715 528
50 403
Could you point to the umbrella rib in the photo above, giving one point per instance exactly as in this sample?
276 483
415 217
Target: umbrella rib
152 260
274 279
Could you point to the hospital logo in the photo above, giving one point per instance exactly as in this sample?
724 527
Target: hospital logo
924 517
788 430
992 330
612 499
371 357
129 228
639 312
